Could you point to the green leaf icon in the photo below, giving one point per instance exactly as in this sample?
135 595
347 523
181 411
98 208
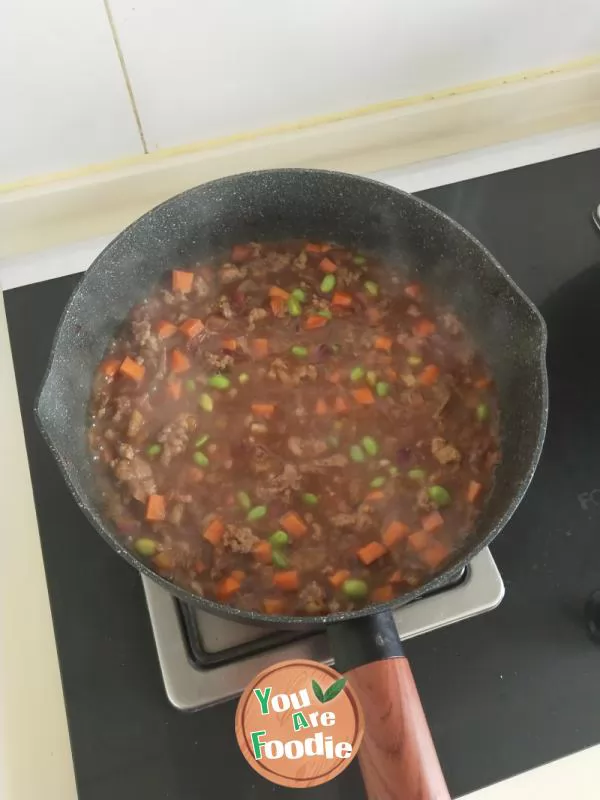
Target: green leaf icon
333 691
318 692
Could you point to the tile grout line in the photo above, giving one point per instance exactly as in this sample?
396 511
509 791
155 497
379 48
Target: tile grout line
134 108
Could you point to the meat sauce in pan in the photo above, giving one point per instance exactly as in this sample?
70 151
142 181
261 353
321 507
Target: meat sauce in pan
297 430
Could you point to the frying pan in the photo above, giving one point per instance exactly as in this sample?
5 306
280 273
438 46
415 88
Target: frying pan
397 756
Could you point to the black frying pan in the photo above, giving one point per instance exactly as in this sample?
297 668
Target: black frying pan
397 755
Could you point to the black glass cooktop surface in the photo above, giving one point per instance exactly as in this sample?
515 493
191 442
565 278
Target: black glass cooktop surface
504 692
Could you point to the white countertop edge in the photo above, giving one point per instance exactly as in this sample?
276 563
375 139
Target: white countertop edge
35 756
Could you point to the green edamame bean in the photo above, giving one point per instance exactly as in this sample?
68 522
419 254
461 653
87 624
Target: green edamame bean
355 589
356 454
279 560
370 445
439 495
328 283
219 382
258 512
357 373
200 459
145 547
154 450
205 402
279 539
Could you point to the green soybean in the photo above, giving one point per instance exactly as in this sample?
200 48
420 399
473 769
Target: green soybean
279 539
356 454
414 361
417 474
370 445
439 495
200 459
243 377
394 471
299 294
294 306
357 373
243 499
219 382
279 559
382 389
371 378
145 547
258 512
378 482
154 449
482 412
359 260
325 312
372 288
310 499
355 589
202 440
299 351
328 283
205 402
190 385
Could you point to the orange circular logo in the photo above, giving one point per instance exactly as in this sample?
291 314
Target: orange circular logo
299 723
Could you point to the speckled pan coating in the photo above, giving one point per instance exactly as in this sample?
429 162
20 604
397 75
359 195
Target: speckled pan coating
206 221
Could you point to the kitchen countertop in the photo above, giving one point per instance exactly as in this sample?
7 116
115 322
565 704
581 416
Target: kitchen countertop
504 692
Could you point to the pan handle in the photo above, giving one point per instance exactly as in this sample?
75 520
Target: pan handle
397 756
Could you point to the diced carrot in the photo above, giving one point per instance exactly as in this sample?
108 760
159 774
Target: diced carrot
110 367
311 247
288 580
327 265
334 377
341 299
262 552
260 348
277 291
321 407
194 474
429 375
414 291
293 524
482 383
263 409
371 552
432 521
383 594
179 361
434 554
391 374
227 587
315 321
383 343
199 567
419 540
132 369
240 252
229 344
191 327
165 329
396 577
395 532
364 396
238 574
423 328
274 606
341 406
156 508
214 531
373 316
339 577
174 388
278 306
182 281
375 496
473 491
164 561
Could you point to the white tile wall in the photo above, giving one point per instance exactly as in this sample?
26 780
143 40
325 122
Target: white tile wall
63 99
206 68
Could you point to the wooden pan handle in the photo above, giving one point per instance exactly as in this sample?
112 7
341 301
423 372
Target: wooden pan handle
397 756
